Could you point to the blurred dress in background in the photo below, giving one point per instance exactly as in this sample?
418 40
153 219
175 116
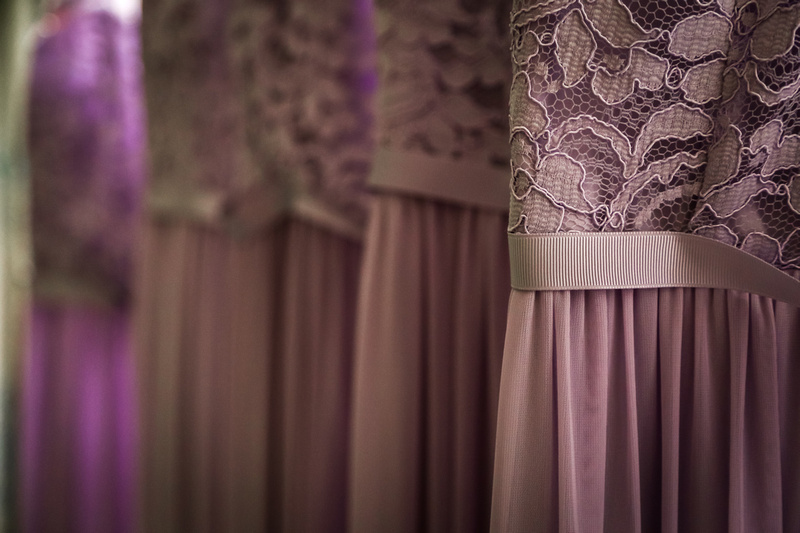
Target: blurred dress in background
651 370
260 144
79 417
434 288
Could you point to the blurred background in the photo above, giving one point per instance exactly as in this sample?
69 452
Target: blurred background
72 176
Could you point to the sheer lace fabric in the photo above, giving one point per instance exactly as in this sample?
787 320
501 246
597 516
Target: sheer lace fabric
637 115
444 73
281 92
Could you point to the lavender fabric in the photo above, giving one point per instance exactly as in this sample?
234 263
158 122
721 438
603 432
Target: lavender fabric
245 359
431 316
648 410
78 411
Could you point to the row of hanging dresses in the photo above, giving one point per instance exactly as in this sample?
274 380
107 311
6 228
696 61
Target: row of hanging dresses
651 369
260 142
434 286
77 462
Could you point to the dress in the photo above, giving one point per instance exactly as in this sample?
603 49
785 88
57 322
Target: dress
651 351
434 287
78 411
260 144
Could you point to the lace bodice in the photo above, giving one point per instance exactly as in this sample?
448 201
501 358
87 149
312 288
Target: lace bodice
271 95
444 72
86 140
645 115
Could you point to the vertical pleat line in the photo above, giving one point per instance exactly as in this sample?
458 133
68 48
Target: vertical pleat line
469 391
787 318
763 495
738 311
526 485
439 331
388 438
252 272
670 345
567 474
643 324
174 244
298 373
622 494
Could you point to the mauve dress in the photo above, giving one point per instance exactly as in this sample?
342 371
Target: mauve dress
652 358
260 144
77 445
434 288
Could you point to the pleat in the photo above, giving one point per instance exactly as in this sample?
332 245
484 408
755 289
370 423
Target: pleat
470 395
388 432
75 454
641 318
762 485
582 352
429 343
252 333
246 354
622 493
439 281
670 327
525 491
319 285
787 318
670 412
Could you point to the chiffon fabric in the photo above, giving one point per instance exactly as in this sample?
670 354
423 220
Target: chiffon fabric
260 142
245 378
431 318
78 456
665 409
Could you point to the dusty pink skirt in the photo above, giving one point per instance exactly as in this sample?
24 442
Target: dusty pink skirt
669 410
245 350
431 321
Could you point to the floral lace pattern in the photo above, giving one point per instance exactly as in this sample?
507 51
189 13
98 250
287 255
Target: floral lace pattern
86 141
643 115
444 74
274 93
306 76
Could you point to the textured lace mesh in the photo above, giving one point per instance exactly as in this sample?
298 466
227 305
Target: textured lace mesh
444 74
658 116
256 92
307 73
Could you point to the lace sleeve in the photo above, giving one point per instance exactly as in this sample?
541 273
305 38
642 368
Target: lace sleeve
643 115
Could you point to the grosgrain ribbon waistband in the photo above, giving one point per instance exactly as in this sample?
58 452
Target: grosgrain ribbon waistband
469 182
631 260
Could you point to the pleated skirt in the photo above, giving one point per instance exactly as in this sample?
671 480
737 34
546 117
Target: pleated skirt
672 410
429 341
77 455
245 351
